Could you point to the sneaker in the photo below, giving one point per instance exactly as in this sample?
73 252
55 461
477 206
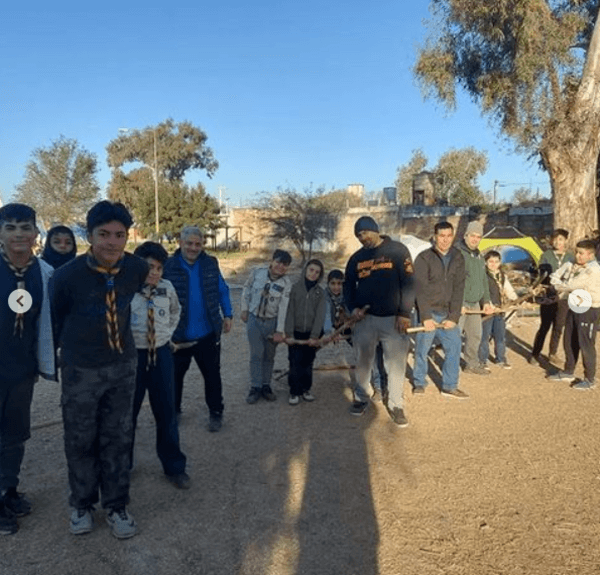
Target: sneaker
122 525
455 393
180 480
294 400
215 422
561 376
477 370
533 360
505 365
397 416
584 385
418 390
267 393
82 521
359 407
254 395
16 502
8 521
308 396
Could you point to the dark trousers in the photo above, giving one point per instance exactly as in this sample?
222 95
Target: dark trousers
301 358
580 335
97 406
552 316
158 380
15 426
207 355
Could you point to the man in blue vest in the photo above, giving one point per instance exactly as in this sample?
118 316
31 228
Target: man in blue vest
205 312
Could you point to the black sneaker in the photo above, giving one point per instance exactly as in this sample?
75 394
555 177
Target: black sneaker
253 396
477 370
8 521
397 416
180 480
455 393
267 393
359 407
215 422
16 502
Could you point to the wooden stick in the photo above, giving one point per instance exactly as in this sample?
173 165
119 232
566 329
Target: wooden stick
421 328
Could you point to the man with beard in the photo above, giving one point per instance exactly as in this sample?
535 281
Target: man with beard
380 275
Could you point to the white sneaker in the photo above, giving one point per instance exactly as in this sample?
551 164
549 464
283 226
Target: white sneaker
308 396
294 400
82 521
121 523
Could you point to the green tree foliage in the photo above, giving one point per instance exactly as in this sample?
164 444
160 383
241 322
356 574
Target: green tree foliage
406 174
60 182
455 176
457 172
533 67
338 201
301 217
180 148
179 203
522 195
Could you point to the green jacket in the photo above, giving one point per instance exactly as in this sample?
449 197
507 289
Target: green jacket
477 289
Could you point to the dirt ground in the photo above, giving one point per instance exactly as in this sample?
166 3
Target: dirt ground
507 482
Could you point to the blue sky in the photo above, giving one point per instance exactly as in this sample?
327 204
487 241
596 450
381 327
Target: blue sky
289 93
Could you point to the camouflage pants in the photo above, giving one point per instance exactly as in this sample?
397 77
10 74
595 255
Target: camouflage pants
97 415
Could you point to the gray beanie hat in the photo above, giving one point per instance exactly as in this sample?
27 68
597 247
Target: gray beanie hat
365 223
474 228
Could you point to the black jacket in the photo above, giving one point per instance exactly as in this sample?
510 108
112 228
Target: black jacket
438 288
382 278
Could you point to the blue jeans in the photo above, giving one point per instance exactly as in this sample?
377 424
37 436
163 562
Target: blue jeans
451 343
262 349
158 380
494 327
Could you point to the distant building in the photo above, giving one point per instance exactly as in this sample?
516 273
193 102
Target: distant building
357 190
423 189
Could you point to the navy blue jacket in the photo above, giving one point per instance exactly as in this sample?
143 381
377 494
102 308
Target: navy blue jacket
178 276
78 299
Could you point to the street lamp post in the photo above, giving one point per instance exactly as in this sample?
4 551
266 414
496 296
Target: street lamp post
156 190
154 170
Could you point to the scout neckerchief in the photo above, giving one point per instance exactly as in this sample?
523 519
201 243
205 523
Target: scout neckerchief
20 275
112 319
498 277
149 292
338 313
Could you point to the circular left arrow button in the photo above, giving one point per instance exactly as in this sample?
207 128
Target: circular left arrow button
20 301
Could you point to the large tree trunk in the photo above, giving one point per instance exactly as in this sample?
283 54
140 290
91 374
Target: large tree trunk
574 192
570 151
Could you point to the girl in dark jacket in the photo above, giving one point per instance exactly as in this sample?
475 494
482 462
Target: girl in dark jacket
60 246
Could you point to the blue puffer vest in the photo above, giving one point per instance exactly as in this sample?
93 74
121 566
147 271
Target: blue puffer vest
178 276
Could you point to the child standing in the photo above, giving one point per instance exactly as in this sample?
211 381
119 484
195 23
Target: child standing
494 327
581 325
264 307
553 313
154 316
60 246
304 321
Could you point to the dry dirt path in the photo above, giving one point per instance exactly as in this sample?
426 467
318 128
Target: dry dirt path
507 482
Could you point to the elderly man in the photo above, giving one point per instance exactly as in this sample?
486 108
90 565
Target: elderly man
379 275
476 297
204 296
